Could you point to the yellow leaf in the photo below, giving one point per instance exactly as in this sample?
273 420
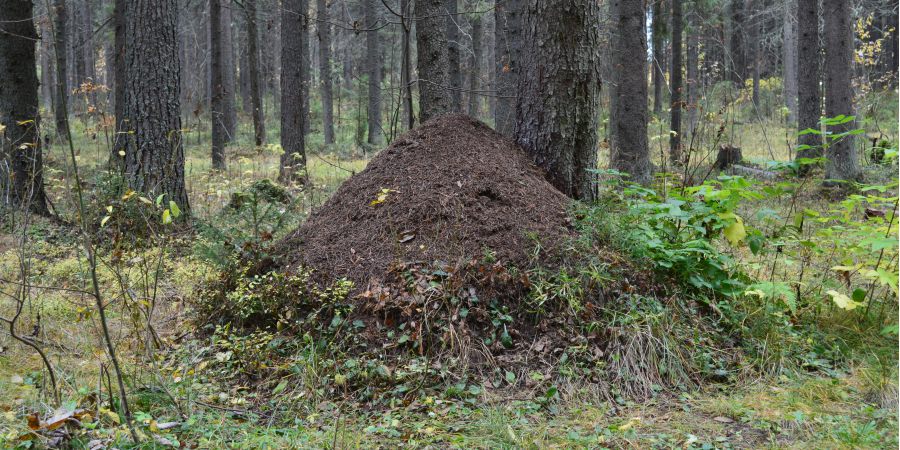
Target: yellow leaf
103 222
734 232
842 301
166 217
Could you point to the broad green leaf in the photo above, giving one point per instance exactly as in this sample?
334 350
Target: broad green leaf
166 217
176 211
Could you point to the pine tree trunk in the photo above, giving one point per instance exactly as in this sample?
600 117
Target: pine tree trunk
675 154
21 179
217 83
628 118
116 158
736 52
693 71
808 76
259 125
229 85
842 163
433 65
323 27
62 74
789 31
373 70
475 65
406 65
453 55
507 54
659 30
558 109
753 7
154 156
293 76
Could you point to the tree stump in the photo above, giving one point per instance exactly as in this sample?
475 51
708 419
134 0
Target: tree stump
728 155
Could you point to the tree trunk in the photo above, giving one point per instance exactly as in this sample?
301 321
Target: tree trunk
154 156
753 7
790 59
808 76
558 109
406 65
293 76
453 55
323 27
373 70
259 125
229 85
628 118
217 82
842 163
62 76
21 177
475 65
659 30
433 65
736 53
46 68
116 157
693 71
507 54
675 154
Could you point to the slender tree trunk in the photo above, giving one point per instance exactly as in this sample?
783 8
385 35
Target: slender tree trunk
323 27
507 54
737 54
659 31
406 65
433 65
808 77
558 109
293 77
453 55
675 154
62 76
117 157
475 64
842 163
229 85
373 70
21 171
693 70
753 7
789 31
217 82
259 125
154 156
46 68
628 119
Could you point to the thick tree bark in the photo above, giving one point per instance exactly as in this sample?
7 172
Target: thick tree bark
323 27
217 83
433 65
558 109
259 125
293 77
507 55
659 30
843 163
373 70
21 171
789 30
116 158
453 55
628 118
154 156
406 64
808 77
62 75
675 154
475 66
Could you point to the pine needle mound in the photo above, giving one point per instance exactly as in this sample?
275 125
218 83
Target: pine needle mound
447 192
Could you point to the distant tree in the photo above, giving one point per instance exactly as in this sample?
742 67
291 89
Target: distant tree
808 77
229 73
629 151
373 70
62 77
789 53
433 65
323 29
475 66
406 63
453 55
842 163
508 40
692 68
21 166
294 73
259 124
737 53
217 83
154 155
659 29
675 153
557 115
116 157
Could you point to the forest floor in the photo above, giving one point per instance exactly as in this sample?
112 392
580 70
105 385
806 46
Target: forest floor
180 402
